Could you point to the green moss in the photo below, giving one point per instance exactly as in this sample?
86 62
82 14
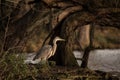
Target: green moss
12 68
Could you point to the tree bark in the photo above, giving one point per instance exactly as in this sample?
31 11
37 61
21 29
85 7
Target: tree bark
83 36
64 54
88 49
66 49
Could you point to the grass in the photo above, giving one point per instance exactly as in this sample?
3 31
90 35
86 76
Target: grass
12 68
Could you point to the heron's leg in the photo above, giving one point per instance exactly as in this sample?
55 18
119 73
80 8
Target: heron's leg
44 61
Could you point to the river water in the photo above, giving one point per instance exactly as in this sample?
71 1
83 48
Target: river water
107 60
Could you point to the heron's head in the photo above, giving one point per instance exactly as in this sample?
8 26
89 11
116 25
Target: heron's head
58 39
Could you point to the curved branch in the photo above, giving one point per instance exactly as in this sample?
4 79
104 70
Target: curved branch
64 13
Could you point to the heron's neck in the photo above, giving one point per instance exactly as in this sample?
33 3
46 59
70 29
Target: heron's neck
54 47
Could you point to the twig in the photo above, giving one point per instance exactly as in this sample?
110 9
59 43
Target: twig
8 5
14 48
5 36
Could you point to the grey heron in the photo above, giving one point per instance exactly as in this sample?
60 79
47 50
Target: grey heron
46 51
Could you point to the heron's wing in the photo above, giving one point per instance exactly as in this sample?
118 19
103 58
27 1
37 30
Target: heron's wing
43 52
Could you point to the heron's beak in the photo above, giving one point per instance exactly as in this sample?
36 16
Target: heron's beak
62 39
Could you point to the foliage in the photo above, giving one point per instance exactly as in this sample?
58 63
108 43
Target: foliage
12 68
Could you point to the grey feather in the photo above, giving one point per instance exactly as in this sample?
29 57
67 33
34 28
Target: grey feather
43 52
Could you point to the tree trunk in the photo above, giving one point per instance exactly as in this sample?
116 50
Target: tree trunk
88 49
67 56
65 51
64 54
85 57
83 36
